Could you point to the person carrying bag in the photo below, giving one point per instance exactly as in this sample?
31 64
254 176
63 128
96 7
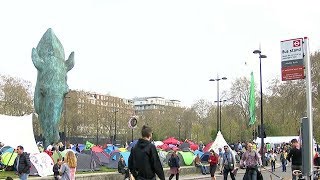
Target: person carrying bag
251 160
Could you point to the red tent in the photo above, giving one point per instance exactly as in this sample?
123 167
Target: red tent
190 142
194 147
207 147
171 140
164 146
97 149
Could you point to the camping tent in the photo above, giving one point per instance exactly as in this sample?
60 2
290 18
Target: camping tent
125 156
207 147
21 124
171 140
277 140
178 154
86 162
220 142
188 157
162 156
81 147
8 158
41 164
114 159
100 156
6 149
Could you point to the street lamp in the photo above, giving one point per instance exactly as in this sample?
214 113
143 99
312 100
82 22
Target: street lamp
179 124
96 107
218 79
115 126
221 101
261 107
65 118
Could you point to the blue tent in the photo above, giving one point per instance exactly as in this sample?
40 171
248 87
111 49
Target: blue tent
133 143
125 156
81 147
196 152
110 149
205 157
6 149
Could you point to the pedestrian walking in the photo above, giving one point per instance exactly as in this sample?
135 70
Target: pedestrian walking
273 158
250 160
144 162
174 164
283 159
228 163
213 161
295 157
22 163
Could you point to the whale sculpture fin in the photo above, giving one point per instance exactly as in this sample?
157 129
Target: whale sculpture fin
70 62
37 61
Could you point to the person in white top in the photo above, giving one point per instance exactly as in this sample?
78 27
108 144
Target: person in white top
273 158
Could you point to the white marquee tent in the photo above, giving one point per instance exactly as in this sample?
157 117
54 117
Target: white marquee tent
220 142
18 130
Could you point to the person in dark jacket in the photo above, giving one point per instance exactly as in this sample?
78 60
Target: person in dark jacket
122 168
22 163
144 162
56 168
295 156
174 163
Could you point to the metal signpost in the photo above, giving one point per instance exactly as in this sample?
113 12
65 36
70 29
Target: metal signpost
294 59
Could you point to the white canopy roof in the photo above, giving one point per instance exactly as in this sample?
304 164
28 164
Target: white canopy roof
18 130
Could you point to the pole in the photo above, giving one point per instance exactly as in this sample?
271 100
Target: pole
179 129
261 117
220 126
65 120
132 135
97 122
218 123
309 130
115 127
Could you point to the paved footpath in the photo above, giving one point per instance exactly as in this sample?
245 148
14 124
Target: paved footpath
267 175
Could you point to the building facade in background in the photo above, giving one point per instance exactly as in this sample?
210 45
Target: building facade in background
142 104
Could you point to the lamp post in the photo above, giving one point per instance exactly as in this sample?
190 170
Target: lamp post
261 107
218 79
220 122
65 118
96 107
179 124
115 126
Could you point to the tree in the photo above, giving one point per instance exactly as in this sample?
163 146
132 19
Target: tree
15 96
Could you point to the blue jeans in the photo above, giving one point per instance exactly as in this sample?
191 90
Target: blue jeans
284 166
226 172
203 169
251 174
23 176
273 165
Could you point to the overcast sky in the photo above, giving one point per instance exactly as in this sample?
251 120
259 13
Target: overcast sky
168 48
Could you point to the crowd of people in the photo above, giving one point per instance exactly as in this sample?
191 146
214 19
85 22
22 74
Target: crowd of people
144 162
64 169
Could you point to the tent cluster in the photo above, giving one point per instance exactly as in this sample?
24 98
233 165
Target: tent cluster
92 157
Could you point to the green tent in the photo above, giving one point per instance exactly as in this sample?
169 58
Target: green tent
188 157
8 158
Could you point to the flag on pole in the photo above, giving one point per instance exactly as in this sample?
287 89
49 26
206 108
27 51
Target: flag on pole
252 102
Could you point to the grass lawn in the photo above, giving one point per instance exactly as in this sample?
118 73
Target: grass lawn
5 174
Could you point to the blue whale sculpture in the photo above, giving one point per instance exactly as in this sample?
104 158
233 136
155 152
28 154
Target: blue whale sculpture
51 86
